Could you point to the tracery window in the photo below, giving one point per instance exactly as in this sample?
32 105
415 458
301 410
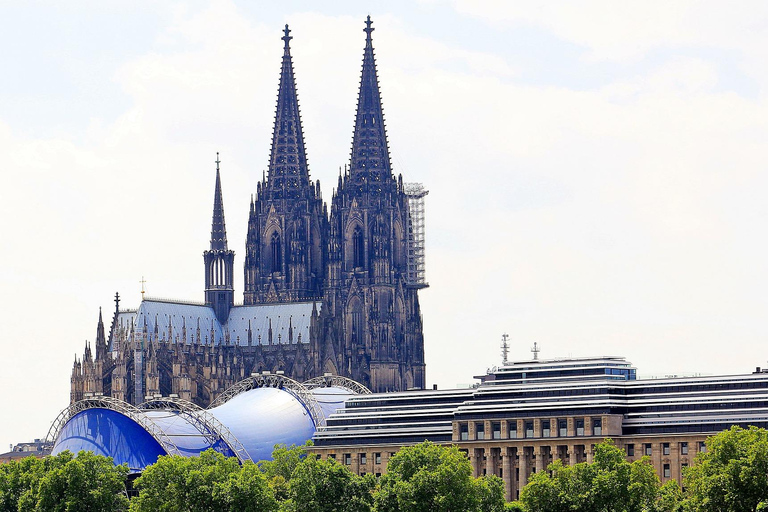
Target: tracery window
275 252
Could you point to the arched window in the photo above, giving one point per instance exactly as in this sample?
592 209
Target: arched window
358 247
275 252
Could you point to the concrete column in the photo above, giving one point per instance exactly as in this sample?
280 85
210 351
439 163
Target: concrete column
508 473
537 428
590 452
505 430
477 462
541 458
492 462
674 460
523 464
587 426
572 458
571 427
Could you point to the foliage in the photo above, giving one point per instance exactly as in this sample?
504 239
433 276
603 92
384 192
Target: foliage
210 482
326 486
63 483
609 483
732 475
435 478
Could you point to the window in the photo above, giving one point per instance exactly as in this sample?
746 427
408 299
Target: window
630 450
528 429
665 448
479 431
667 472
377 458
545 428
358 247
363 458
513 430
562 427
464 432
702 446
275 252
580 427
597 427
347 459
496 429
648 449
683 448
683 467
332 456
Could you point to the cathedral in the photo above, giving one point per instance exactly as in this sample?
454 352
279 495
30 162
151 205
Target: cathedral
324 292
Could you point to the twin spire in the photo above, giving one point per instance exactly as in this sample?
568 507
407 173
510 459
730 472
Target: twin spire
370 153
288 170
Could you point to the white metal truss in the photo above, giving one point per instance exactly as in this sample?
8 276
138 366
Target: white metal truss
327 381
113 404
279 381
208 425
416 245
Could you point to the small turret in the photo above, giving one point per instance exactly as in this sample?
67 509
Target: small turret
219 260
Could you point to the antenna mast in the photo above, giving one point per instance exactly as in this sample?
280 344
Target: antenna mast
505 348
535 349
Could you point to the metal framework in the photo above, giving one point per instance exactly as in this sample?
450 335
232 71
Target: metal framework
113 404
279 381
416 258
327 381
210 427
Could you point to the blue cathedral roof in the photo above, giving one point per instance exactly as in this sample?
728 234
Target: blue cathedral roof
185 322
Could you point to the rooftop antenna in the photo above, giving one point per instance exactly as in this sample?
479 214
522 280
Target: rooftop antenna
535 349
505 348
143 282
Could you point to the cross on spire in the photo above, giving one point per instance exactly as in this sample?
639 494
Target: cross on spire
368 28
143 282
287 36
217 161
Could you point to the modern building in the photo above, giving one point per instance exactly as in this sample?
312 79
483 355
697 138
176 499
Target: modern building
325 292
524 415
246 421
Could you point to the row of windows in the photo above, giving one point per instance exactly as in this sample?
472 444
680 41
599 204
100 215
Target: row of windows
362 458
665 448
560 429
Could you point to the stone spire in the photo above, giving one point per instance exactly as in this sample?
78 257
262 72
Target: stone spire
288 170
370 153
218 227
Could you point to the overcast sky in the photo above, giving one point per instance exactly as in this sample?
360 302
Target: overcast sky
597 170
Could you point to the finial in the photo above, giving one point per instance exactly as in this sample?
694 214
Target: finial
368 29
217 161
535 349
286 37
143 282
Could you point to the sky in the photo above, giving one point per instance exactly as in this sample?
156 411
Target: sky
596 170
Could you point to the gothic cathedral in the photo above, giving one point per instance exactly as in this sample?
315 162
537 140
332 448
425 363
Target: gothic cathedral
324 293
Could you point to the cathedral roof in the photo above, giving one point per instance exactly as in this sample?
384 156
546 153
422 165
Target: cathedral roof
370 154
164 320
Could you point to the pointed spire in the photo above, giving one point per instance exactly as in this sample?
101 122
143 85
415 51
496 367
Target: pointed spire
218 228
288 170
370 154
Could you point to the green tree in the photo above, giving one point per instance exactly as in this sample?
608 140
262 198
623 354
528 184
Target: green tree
609 483
327 486
732 475
210 482
435 478
87 482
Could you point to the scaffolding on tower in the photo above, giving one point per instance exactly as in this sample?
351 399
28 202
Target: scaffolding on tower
416 264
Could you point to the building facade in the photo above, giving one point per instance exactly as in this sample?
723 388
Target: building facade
325 292
523 416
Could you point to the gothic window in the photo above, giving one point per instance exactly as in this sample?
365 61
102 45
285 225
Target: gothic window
275 252
358 247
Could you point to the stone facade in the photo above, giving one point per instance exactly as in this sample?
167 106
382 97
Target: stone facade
346 271
503 448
